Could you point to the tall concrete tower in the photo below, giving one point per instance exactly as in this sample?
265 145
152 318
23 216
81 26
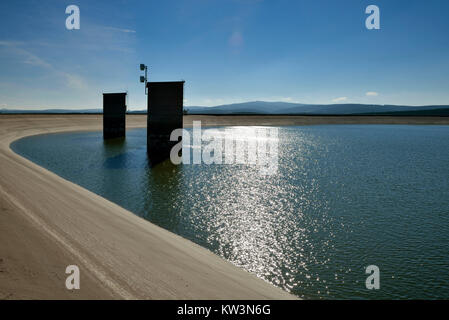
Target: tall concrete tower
114 113
165 113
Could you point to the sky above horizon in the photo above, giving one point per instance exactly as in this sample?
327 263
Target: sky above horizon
310 51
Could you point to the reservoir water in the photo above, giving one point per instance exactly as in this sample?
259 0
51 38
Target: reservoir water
344 197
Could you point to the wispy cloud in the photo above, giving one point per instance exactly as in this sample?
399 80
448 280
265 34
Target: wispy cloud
236 39
9 43
120 29
72 81
34 60
372 94
277 99
213 102
340 99
15 47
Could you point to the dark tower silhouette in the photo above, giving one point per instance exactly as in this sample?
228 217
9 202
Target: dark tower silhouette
165 112
114 112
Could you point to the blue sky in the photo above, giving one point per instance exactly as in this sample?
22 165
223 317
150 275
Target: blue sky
310 51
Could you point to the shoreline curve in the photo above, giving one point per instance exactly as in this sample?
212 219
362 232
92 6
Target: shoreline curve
48 223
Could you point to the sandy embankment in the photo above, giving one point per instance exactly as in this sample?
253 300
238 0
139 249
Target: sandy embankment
48 223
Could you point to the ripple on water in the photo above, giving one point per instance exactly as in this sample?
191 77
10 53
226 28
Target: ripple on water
344 197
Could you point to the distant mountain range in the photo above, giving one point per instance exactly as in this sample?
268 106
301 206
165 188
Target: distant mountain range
277 108
262 107
49 111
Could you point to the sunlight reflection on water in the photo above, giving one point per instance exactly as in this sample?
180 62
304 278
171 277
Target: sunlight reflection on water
343 197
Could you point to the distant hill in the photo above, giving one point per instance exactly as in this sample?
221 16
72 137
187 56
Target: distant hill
62 111
261 107
278 108
440 112
49 111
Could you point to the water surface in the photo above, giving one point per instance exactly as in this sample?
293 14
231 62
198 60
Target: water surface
344 197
